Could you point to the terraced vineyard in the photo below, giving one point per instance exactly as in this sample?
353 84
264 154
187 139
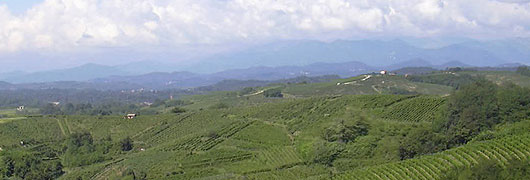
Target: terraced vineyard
379 101
278 157
184 126
296 172
214 157
206 142
30 130
434 166
423 108
315 134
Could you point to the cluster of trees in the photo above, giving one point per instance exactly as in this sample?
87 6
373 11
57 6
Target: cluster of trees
479 106
48 161
470 110
523 70
219 105
246 91
447 79
399 91
22 164
134 174
345 132
275 92
80 149
170 103
234 85
41 97
88 109
336 136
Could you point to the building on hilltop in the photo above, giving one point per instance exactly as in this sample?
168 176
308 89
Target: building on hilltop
130 116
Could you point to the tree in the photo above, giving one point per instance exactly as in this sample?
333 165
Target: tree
50 109
325 152
80 150
523 70
273 93
22 164
126 144
246 90
420 141
513 102
219 105
470 109
178 110
69 109
343 132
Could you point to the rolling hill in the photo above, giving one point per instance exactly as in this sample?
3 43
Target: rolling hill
352 128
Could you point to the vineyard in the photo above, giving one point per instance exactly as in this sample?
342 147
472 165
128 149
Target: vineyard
278 157
423 108
206 142
30 130
183 126
374 85
433 166
317 131
380 101
296 172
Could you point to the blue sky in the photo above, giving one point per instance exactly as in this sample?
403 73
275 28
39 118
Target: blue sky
62 29
19 6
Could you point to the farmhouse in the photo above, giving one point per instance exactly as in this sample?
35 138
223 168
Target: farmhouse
21 108
130 116
383 72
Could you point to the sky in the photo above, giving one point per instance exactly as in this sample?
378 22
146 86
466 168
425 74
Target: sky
64 28
19 6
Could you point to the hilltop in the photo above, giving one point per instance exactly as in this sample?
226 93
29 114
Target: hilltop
370 126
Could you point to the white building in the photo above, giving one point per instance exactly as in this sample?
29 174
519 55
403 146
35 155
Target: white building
130 116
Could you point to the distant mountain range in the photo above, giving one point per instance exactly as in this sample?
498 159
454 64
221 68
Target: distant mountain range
282 60
161 80
371 52
106 78
86 72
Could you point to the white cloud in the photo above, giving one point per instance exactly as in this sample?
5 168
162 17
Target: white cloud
63 25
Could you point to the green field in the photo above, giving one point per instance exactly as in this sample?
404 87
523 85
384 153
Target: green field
316 131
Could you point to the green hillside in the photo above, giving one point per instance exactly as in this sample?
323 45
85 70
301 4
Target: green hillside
343 129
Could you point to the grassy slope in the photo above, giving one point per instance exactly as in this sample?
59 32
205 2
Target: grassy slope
374 85
257 137
504 76
266 139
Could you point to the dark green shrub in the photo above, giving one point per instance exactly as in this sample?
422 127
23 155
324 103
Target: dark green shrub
126 144
273 93
178 110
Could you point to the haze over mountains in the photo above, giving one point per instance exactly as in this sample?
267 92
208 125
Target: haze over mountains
289 59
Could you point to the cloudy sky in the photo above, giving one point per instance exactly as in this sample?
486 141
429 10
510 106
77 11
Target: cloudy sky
70 26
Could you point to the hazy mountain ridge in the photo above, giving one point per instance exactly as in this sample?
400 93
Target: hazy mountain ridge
255 75
80 73
374 53
281 60
162 80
